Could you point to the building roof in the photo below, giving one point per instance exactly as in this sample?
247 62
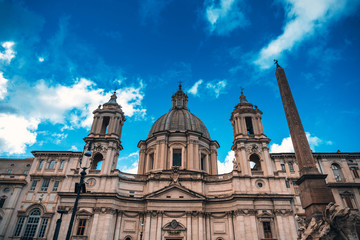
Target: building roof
179 118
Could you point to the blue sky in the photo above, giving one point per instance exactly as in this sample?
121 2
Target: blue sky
60 59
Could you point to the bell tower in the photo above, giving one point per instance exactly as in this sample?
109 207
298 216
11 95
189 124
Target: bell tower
251 146
105 136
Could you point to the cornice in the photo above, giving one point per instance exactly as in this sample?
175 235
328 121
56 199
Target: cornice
56 153
321 155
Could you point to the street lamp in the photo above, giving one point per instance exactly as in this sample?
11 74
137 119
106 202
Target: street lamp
58 223
78 187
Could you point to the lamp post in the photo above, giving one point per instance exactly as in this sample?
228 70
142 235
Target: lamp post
58 224
78 187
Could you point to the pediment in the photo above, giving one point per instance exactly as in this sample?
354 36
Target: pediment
175 192
84 212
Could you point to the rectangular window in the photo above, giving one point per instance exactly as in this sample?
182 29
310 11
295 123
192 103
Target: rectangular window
267 230
291 166
41 164
151 161
249 126
43 227
26 172
56 185
33 185
348 201
81 227
51 164
203 160
45 185
2 201
9 171
177 157
283 167
19 226
287 184
62 164
355 172
320 165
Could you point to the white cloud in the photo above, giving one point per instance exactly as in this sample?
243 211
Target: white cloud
287 146
227 165
224 16
8 54
57 104
132 157
74 148
54 103
58 137
304 19
217 88
3 88
41 59
16 132
194 89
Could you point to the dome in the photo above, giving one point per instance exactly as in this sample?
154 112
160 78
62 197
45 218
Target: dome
179 120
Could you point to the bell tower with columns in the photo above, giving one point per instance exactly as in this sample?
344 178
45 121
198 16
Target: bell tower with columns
105 136
251 146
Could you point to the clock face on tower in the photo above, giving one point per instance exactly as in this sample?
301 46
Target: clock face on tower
91 182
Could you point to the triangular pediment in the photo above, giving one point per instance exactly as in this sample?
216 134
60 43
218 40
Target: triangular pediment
175 192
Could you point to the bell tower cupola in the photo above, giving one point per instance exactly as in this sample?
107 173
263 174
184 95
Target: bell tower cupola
250 142
105 135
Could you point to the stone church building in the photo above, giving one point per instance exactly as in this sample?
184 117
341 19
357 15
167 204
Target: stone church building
177 193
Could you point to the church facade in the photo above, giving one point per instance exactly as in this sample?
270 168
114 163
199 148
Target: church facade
177 192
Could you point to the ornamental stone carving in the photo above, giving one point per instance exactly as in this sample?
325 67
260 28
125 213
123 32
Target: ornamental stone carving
99 148
254 148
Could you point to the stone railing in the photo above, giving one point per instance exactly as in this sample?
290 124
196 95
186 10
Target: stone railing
131 176
221 177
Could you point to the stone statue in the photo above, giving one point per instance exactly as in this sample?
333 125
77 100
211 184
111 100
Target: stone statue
336 223
235 164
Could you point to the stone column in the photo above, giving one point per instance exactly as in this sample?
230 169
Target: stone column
208 226
201 226
159 225
244 164
314 193
118 226
147 227
141 164
231 228
94 226
196 155
188 226
239 229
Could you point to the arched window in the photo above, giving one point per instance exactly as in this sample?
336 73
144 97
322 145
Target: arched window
97 162
32 228
51 164
255 164
127 238
32 223
105 125
337 172
62 164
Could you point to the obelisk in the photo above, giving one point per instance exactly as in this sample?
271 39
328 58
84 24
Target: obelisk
314 193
